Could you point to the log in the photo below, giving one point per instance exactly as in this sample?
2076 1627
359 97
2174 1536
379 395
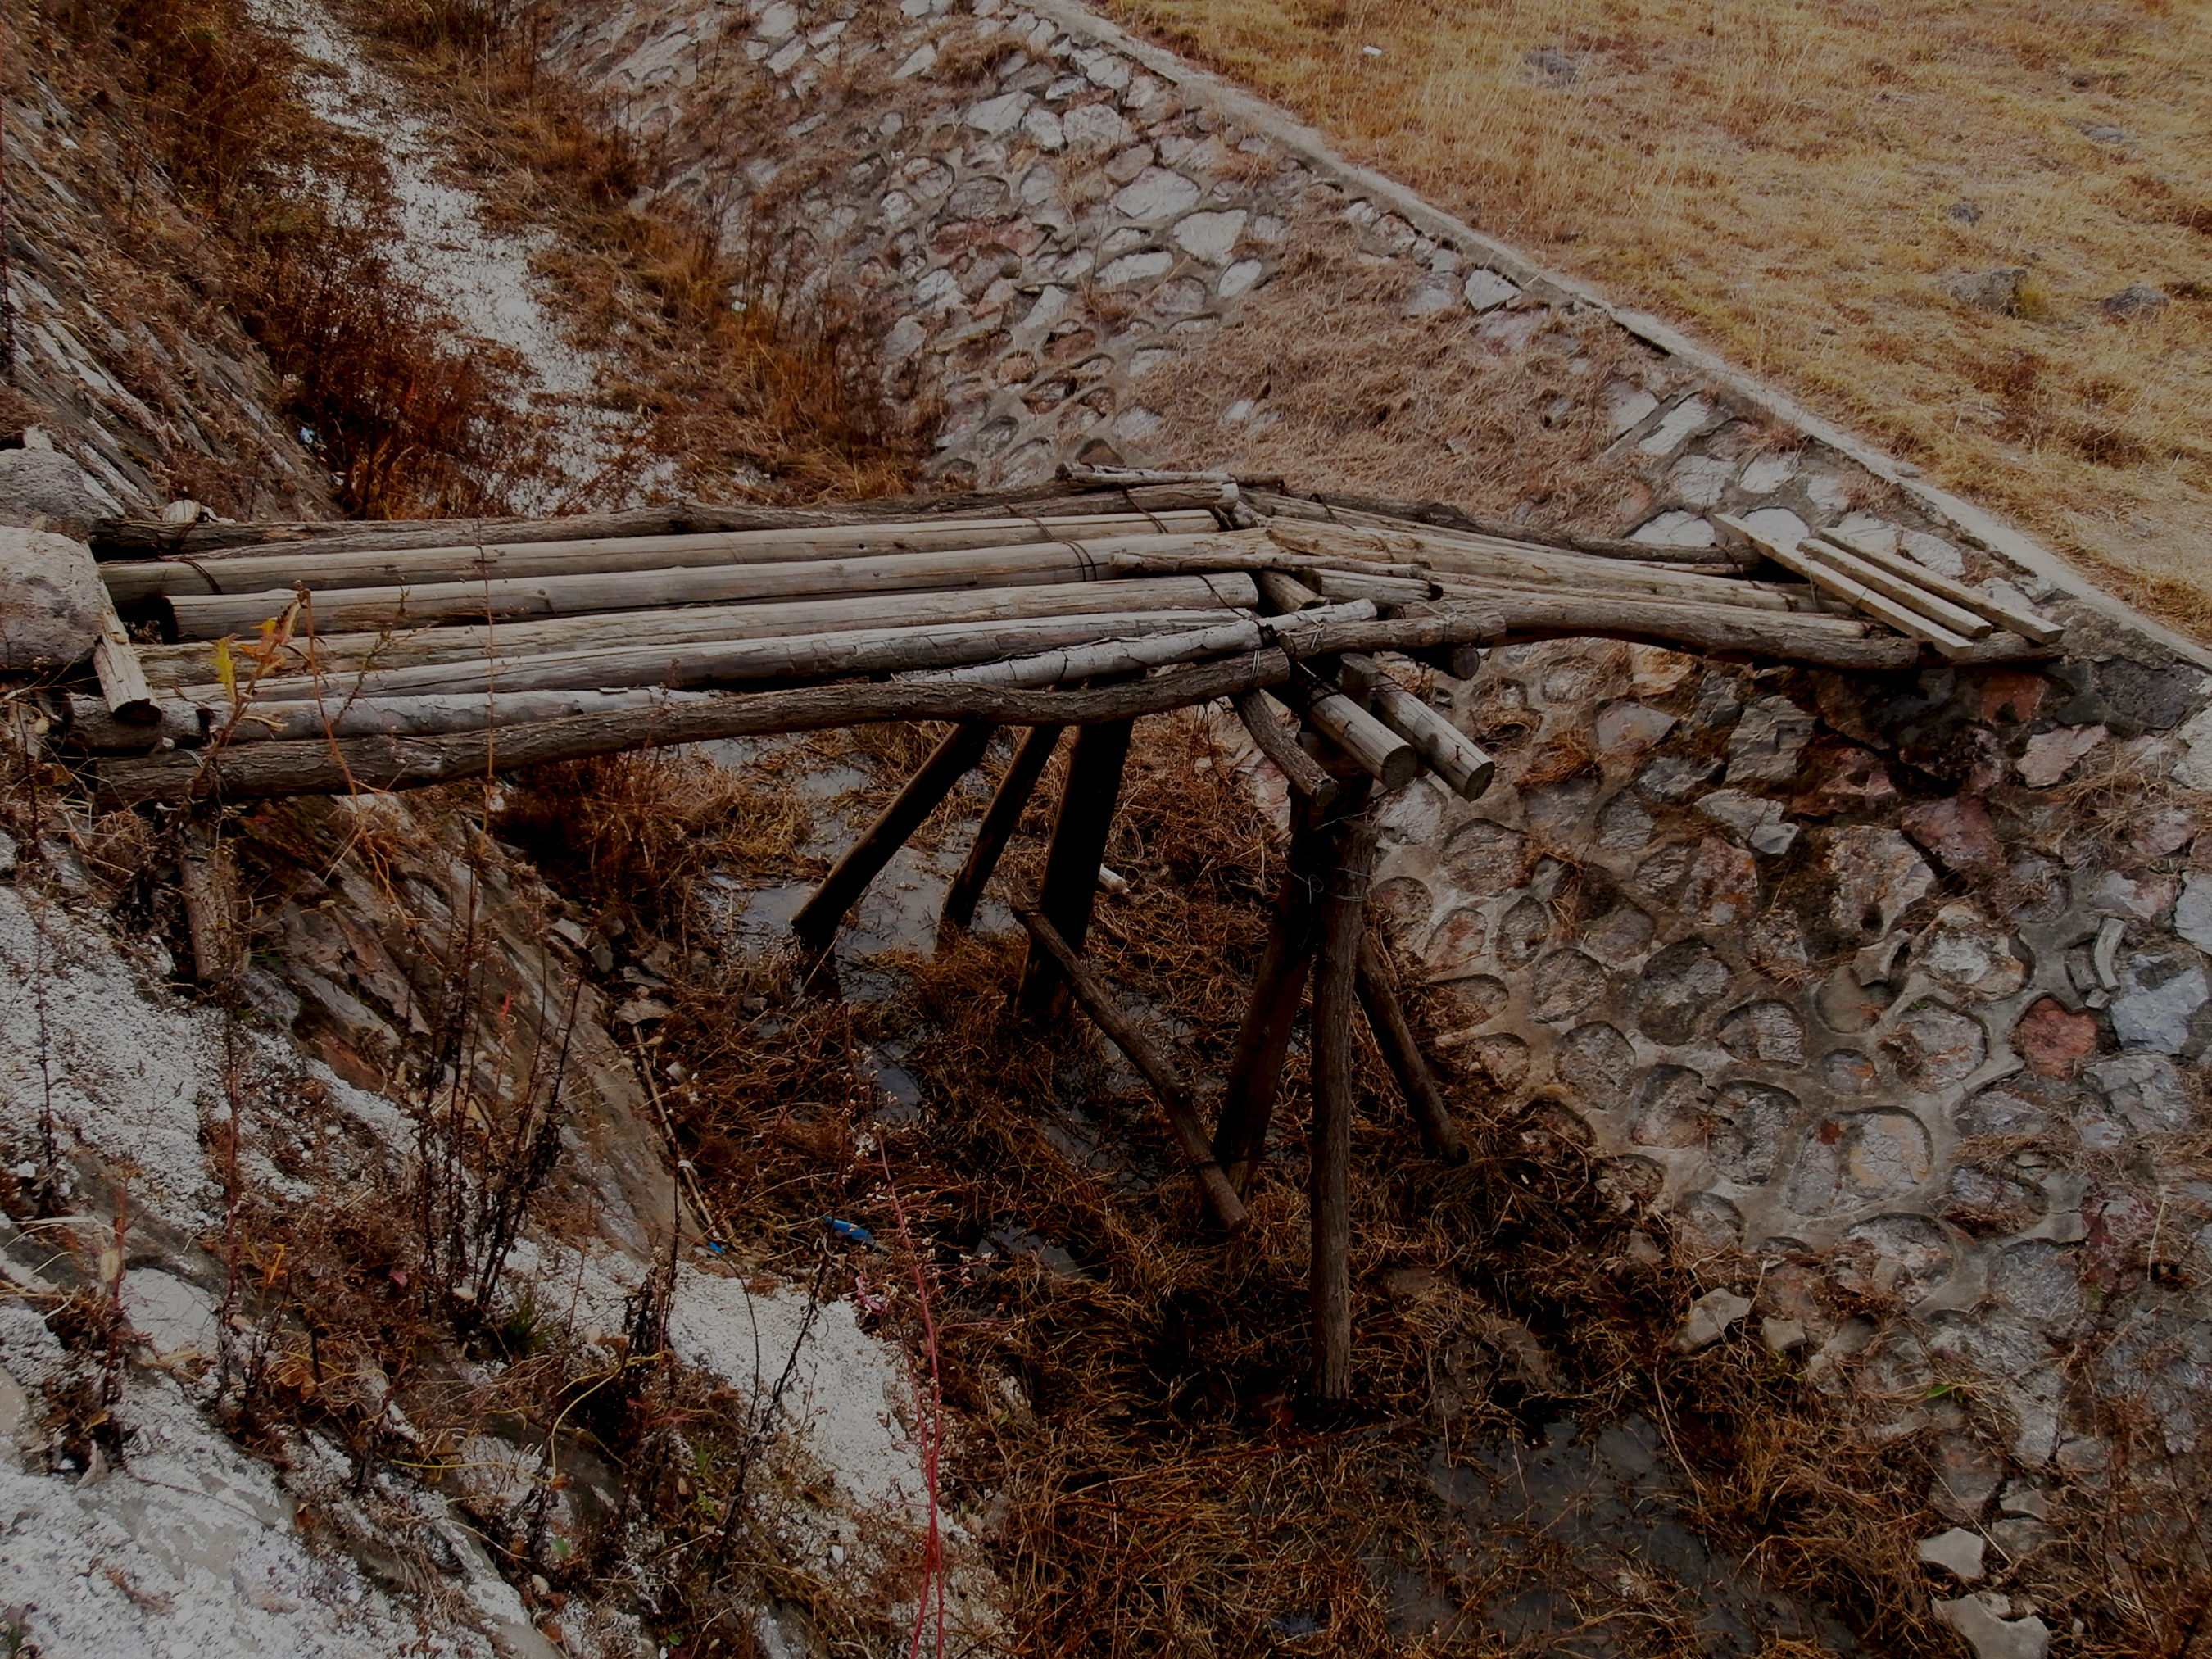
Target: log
1378 513
1380 753
1263 1037
92 729
1159 1073
265 769
1444 556
1108 657
1335 973
205 884
1909 623
188 725
1284 592
1380 997
335 654
135 538
2024 623
1824 641
1966 624
1079 833
998 824
362 609
122 678
1450 753
1359 585
816 921
1453 622
815 656
1275 741
134 583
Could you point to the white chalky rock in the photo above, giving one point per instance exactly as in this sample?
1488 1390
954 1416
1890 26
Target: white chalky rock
1676 427
1239 277
1156 193
1625 405
1777 524
1938 555
1627 728
1765 474
1210 236
998 115
2192 917
2194 770
2161 996
1135 268
1990 1636
1045 130
1486 289
777 21
1675 528
1700 480
1957 1551
919 62
1710 1315
1096 126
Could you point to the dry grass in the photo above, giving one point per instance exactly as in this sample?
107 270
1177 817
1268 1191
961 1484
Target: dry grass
1783 179
736 374
1154 1482
289 221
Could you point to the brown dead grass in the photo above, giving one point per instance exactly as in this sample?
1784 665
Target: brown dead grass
1154 1481
1781 177
734 371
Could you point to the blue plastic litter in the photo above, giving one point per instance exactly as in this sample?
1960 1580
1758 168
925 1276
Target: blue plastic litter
850 1232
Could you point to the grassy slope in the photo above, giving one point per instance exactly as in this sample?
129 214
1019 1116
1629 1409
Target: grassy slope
1781 176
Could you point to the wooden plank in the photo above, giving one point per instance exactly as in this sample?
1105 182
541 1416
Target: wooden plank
1329 1270
998 824
816 921
263 769
1966 624
1079 834
1823 641
123 682
1907 621
2024 623
1159 1073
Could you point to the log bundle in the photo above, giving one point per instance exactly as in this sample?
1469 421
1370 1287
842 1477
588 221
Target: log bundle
307 659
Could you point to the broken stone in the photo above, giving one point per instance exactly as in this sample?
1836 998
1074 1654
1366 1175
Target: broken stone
1957 831
1878 875
1849 780
1767 742
1670 777
1630 728
1958 1551
51 608
1967 1475
1990 1636
1709 1317
1210 236
2192 916
2022 1499
2020 1537
1156 193
2145 1090
2144 899
1676 425
2050 756
1723 885
2163 992
1485 290
1960 948
1782 1336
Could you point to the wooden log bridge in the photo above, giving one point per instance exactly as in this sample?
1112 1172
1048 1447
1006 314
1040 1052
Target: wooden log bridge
301 659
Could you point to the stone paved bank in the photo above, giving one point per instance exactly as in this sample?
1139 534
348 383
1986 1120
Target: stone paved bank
1898 988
